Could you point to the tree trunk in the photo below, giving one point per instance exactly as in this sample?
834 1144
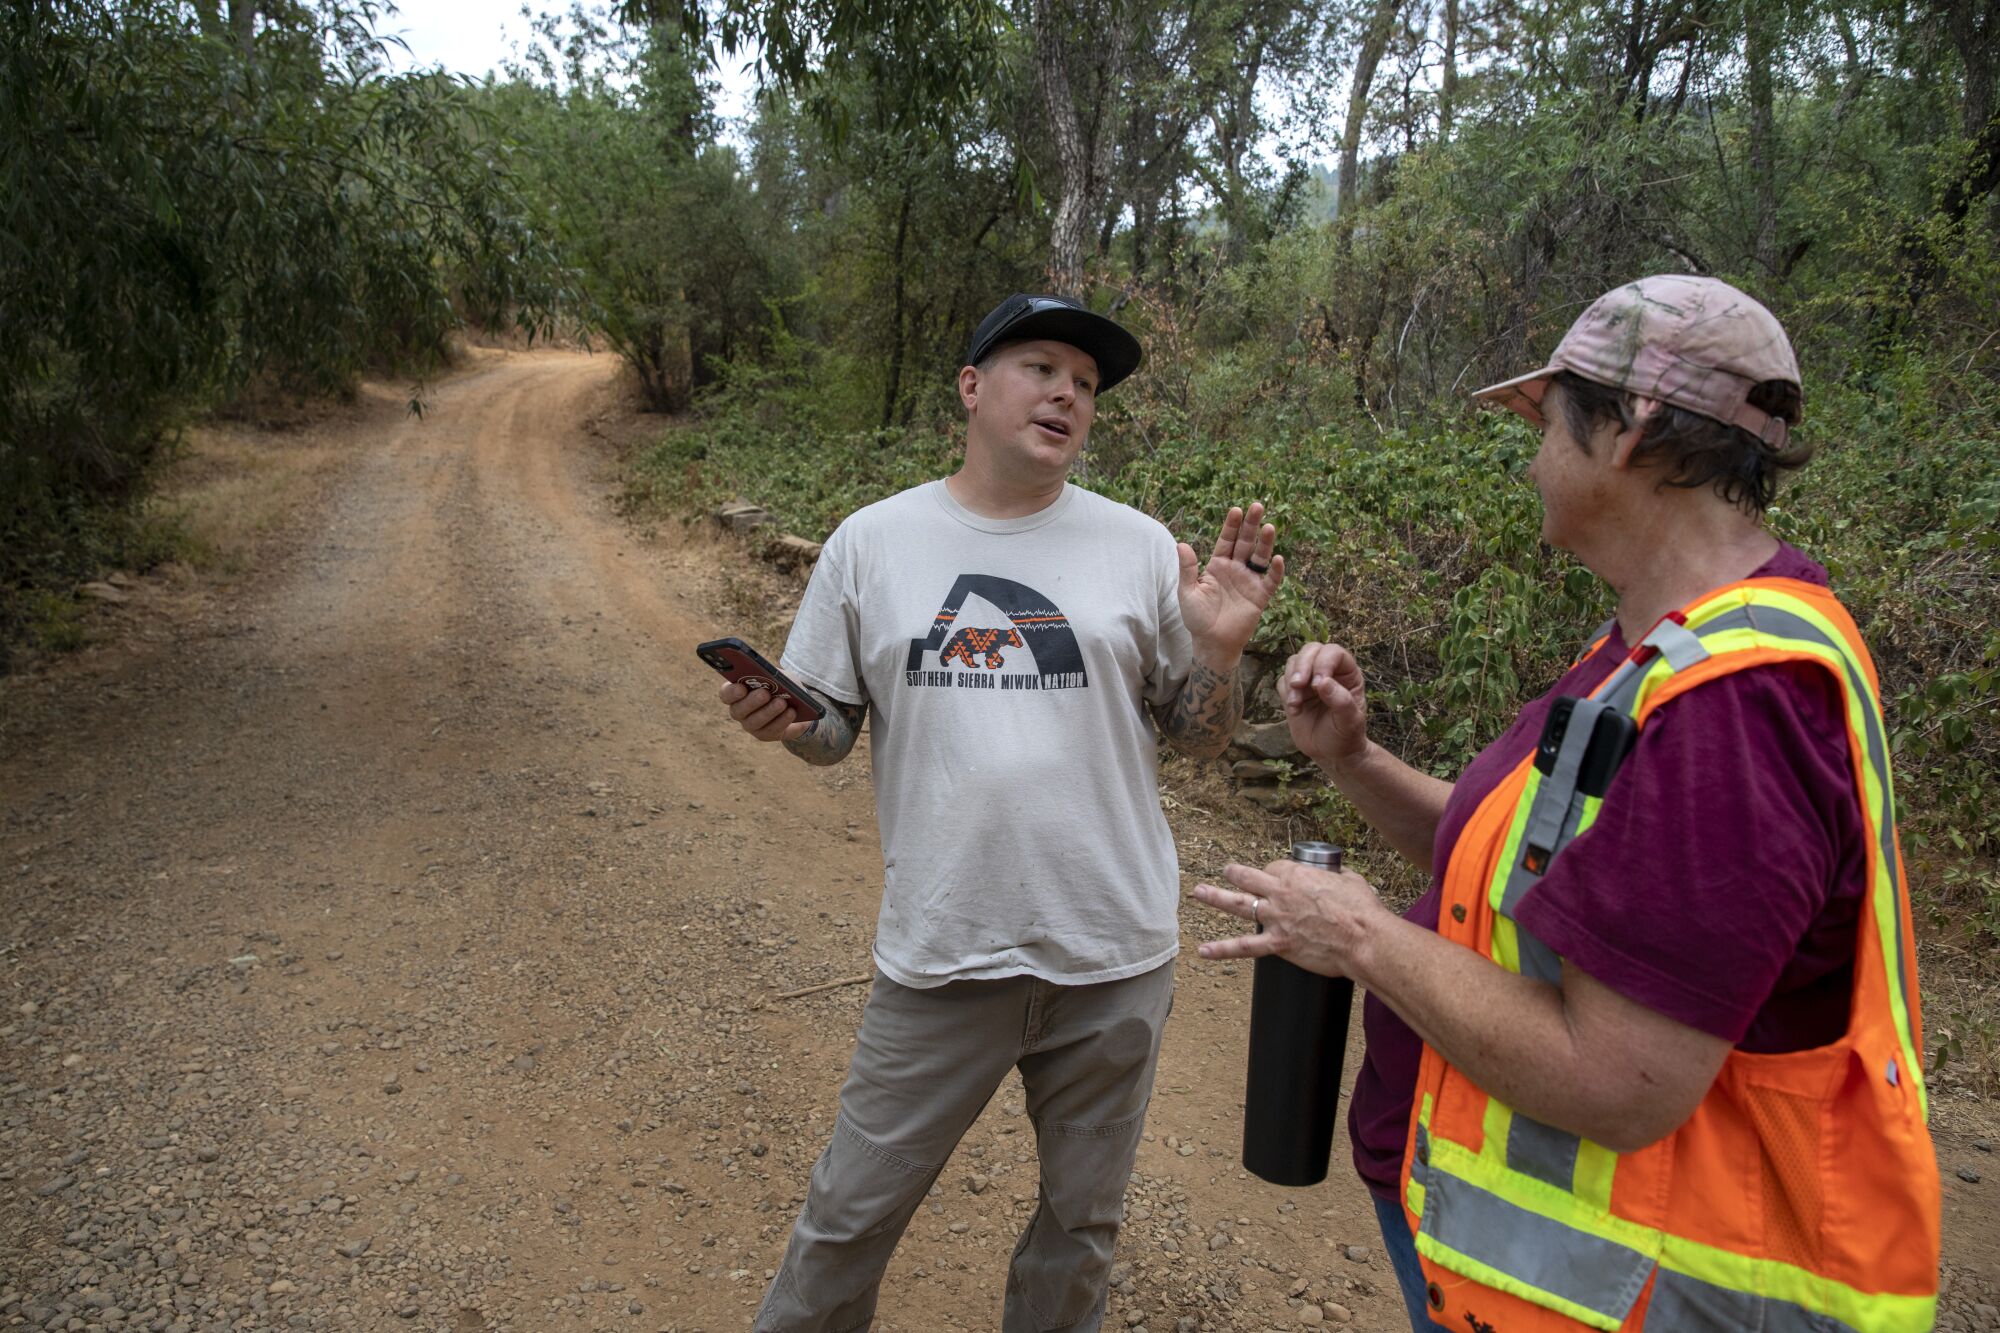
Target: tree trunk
677 362
1234 130
1083 144
1635 48
1448 81
1373 43
1758 51
1072 217
920 336
1107 117
243 24
1980 177
1679 99
1145 218
1975 30
678 369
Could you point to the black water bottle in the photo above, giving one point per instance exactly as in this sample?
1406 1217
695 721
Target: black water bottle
1298 1043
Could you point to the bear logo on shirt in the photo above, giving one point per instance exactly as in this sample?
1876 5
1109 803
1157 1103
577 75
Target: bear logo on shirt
939 660
967 645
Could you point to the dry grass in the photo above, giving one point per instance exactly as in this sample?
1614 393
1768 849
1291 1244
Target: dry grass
232 489
218 505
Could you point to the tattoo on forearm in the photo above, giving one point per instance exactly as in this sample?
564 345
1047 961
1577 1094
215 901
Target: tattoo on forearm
1203 716
830 738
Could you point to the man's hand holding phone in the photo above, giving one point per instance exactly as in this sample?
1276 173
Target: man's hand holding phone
762 699
764 715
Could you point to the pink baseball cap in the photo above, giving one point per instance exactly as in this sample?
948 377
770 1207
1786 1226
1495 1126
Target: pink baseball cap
1697 343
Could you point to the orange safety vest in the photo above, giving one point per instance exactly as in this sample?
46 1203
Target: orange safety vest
1802 1194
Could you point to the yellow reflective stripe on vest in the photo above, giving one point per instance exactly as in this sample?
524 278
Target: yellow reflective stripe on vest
1701 1287
1596 1165
1516 950
1506 948
1777 621
1865 719
1866 708
1591 1266
1533 1240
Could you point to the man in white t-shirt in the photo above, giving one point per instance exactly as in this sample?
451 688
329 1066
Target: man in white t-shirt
1018 640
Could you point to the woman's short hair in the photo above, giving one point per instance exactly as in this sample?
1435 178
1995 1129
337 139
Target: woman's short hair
1696 450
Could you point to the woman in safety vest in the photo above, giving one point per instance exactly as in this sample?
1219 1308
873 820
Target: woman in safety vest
1646 1054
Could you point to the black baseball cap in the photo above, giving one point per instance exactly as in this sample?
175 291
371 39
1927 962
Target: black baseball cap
1062 319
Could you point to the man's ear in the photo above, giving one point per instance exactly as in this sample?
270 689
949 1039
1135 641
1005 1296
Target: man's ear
968 386
1626 442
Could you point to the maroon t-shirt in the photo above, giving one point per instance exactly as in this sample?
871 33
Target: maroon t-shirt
1720 885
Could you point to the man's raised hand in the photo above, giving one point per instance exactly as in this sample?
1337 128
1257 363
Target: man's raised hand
1222 603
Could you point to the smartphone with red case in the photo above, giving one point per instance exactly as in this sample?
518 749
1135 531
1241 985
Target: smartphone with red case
741 663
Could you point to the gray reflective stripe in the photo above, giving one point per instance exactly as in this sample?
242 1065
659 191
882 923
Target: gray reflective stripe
1621 690
1538 960
1677 643
1613 690
1519 878
1551 809
1551 1256
1683 1304
1542 1151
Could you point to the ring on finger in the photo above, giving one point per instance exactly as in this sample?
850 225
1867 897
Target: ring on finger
1257 913
1256 568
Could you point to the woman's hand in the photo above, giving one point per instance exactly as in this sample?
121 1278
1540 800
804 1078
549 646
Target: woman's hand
1578 1056
1326 704
1320 919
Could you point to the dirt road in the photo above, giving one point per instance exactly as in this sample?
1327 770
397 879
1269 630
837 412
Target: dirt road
398 944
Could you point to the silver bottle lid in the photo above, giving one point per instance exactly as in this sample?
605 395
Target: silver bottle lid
1317 854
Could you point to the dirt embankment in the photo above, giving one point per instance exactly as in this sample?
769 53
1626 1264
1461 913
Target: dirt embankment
394 940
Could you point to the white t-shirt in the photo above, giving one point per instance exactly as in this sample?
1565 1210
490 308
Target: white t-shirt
1007 664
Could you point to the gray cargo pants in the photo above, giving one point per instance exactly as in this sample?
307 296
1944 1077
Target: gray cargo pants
925 1064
